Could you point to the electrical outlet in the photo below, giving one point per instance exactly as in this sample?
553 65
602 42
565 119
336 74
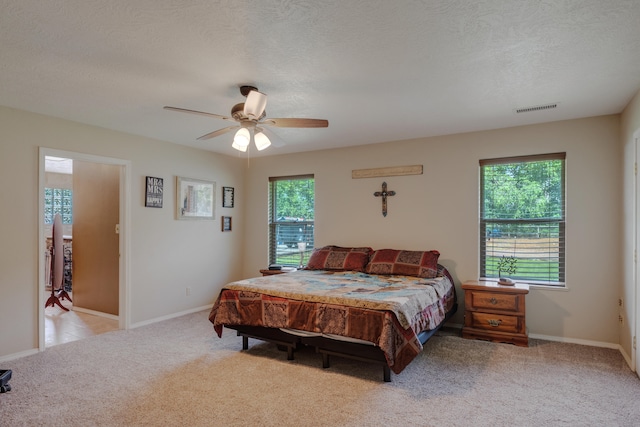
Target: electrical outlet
621 319
188 290
620 302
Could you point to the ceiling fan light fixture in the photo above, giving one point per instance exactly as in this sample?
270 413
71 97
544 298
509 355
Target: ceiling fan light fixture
255 104
239 147
241 139
248 116
261 140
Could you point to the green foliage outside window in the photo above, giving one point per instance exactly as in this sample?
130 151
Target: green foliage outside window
291 222
523 217
524 190
294 198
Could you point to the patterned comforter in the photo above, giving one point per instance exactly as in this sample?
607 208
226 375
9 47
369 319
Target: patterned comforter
388 311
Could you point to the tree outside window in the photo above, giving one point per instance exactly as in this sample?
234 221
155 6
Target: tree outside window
522 215
291 220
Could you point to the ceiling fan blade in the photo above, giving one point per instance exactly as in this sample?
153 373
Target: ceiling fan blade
297 123
255 104
218 132
202 113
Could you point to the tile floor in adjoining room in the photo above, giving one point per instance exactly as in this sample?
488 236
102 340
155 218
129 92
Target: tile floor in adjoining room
65 326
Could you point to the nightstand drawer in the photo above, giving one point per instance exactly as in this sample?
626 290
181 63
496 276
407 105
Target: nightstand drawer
494 301
494 322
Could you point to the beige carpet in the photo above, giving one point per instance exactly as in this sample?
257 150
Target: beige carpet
178 372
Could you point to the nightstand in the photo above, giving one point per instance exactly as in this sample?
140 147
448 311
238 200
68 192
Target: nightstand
494 312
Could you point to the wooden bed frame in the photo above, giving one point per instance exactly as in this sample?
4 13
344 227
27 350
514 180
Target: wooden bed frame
327 346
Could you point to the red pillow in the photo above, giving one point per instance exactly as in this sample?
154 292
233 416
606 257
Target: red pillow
407 263
338 258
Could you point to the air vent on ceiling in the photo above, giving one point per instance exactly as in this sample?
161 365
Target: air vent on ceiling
536 108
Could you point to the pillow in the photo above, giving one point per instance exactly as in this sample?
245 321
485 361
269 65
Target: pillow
338 258
407 263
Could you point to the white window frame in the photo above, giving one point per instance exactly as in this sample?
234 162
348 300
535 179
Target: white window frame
490 224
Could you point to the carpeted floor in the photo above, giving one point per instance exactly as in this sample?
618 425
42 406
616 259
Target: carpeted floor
178 372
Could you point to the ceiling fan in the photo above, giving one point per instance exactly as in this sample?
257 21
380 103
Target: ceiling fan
250 116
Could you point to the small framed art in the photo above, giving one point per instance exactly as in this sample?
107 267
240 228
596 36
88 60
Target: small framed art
195 198
226 223
227 197
153 192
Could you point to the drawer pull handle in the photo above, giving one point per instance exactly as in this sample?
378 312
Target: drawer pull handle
493 301
494 322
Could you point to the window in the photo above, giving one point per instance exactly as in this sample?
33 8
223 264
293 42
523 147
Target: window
291 216
522 217
58 200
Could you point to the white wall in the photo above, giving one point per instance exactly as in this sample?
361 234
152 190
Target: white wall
166 254
436 210
630 125
439 210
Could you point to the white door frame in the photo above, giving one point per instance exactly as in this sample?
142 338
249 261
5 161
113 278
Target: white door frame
124 236
635 322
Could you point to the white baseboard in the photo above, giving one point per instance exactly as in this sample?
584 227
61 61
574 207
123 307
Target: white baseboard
95 313
627 359
14 356
614 346
171 316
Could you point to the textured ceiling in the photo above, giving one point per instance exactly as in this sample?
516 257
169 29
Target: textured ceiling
378 70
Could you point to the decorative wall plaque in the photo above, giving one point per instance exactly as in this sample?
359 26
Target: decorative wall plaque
153 192
227 197
226 223
390 171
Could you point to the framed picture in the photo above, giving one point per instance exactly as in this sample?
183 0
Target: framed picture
153 192
226 223
227 197
195 198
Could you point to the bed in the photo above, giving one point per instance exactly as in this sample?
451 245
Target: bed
375 306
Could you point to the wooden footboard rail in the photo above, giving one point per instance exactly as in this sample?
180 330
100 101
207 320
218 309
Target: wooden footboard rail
327 347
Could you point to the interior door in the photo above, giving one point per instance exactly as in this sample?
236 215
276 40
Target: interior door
96 212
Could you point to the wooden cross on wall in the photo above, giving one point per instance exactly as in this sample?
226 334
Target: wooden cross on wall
384 194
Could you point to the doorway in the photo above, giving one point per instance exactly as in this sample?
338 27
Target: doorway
103 174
